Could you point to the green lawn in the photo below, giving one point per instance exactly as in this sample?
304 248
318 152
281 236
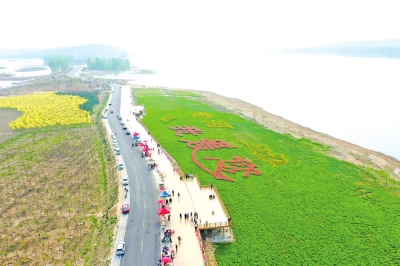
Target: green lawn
149 91
314 210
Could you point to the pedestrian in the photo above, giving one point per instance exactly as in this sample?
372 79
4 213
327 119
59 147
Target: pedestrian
178 195
190 214
180 216
148 132
199 220
176 247
211 186
115 134
170 200
212 212
191 220
195 228
169 217
132 144
172 192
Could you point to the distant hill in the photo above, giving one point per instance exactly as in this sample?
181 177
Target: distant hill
389 48
78 53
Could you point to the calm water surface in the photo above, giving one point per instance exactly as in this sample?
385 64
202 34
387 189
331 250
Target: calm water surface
353 99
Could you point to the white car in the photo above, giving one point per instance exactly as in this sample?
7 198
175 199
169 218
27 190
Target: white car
116 147
122 123
115 141
121 248
125 181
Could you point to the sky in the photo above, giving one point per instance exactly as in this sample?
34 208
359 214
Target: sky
186 26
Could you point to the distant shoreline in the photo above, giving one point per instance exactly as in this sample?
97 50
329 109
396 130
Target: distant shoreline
340 149
31 69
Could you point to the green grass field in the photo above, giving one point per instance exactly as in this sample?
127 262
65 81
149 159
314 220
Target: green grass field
314 210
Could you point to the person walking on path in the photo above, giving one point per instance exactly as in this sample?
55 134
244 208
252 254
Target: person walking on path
176 247
180 216
172 192
178 195
211 186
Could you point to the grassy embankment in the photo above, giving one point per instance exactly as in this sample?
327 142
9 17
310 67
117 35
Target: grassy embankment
57 185
314 210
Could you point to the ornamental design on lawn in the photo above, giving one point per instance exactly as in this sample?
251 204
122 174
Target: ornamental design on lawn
186 130
202 114
218 124
167 119
263 152
238 164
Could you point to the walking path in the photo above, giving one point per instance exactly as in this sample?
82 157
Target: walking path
192 198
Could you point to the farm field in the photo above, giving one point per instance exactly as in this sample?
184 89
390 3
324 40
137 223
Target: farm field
58 187
290 203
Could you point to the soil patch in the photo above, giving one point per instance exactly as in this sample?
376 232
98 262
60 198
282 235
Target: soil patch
6 116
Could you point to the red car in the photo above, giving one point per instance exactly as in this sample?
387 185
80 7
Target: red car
125 208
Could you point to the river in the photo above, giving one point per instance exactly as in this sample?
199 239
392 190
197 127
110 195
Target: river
355 99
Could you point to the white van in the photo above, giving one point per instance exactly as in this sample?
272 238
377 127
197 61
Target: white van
120 166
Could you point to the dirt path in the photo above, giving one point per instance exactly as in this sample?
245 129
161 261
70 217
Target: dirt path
338 148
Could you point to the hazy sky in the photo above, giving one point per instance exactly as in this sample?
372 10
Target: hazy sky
187 25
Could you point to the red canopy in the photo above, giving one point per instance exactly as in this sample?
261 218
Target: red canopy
136 133
166 260
146 149
142 144
161 201
163 211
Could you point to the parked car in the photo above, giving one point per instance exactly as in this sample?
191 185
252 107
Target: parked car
116 147
124 127
125 181
122 123
125 208
121 248
128 132
118 151
120 166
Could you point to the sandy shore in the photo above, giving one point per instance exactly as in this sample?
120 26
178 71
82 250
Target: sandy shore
338 148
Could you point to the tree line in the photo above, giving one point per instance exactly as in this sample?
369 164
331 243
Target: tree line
108 64
57 63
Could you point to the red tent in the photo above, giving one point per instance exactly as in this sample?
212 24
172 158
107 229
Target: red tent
166 260
146 149
161 201
163 211
136 133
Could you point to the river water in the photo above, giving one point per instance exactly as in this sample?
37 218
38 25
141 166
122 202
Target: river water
355 99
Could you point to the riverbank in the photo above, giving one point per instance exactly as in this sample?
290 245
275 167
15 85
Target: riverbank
338 148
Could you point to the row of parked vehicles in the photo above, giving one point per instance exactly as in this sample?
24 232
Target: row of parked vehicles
125 181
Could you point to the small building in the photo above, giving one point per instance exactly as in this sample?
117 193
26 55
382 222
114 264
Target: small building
139 110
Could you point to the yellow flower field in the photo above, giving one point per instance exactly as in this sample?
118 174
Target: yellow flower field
46 109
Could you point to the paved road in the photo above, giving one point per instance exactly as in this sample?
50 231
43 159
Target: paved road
142 235
75 72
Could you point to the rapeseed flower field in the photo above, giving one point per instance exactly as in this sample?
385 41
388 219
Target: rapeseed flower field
46 109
